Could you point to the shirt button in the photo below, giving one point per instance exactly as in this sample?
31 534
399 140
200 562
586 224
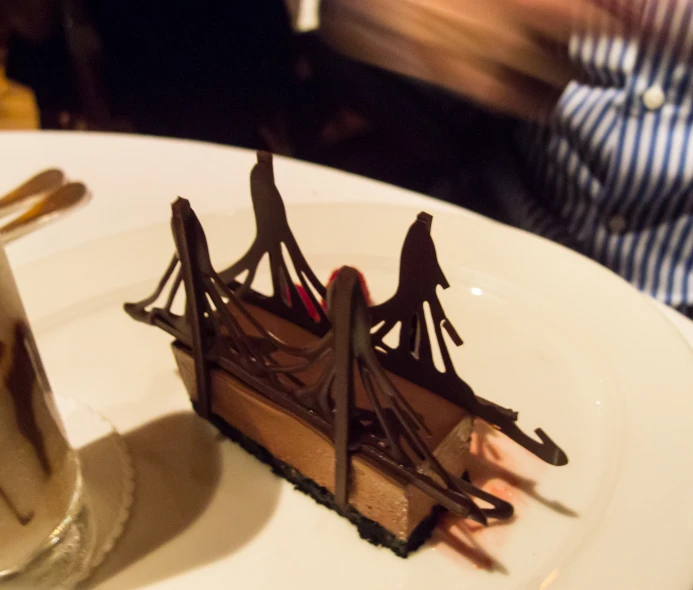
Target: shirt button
617 224
654 98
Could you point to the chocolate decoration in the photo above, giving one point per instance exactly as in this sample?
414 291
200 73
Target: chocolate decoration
195 296
24 519
21 381
419 277
273 229
389 433
325 404
341 304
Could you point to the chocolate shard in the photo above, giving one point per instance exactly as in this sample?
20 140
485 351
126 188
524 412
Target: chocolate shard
272 230
420 276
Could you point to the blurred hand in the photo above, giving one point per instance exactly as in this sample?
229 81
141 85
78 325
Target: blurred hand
509 55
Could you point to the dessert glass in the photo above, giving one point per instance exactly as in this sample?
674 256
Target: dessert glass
46 527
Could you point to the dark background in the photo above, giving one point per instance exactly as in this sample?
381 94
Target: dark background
233 72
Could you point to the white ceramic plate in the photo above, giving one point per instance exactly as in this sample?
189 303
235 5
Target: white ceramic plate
573 348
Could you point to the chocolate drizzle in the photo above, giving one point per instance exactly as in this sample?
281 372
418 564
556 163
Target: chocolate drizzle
22 377
23 518
221 332
20 382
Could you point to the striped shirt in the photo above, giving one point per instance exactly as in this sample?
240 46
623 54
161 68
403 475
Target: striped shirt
612 174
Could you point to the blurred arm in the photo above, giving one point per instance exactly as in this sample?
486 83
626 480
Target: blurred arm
509 55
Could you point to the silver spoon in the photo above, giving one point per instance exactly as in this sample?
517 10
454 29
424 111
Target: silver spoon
44 182
45 210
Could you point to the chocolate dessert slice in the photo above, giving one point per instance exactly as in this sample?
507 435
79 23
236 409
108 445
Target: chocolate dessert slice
377 433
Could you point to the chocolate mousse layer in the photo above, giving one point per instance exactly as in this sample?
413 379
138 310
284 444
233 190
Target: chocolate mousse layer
306 456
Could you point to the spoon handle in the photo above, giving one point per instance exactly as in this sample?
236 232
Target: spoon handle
47 209
43 182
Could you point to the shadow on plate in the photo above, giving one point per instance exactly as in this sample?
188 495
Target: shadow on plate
179 467
486 464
